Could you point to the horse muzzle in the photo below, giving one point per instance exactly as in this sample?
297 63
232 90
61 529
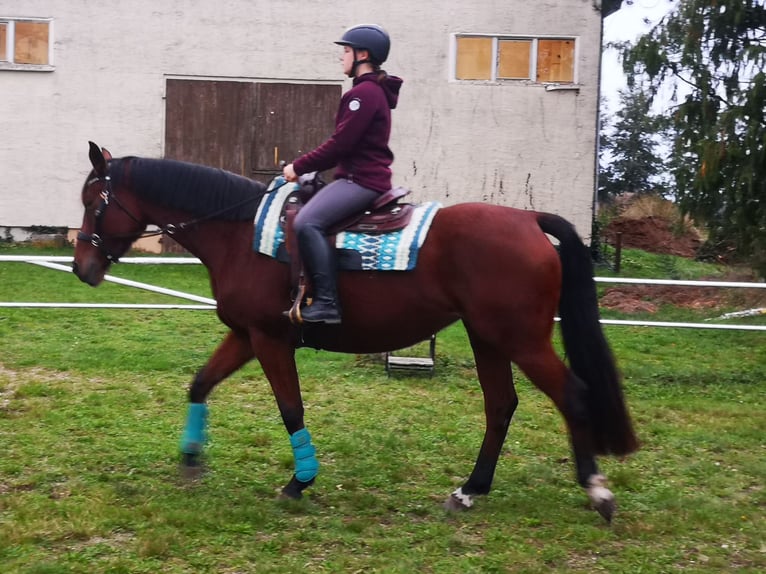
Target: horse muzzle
92 274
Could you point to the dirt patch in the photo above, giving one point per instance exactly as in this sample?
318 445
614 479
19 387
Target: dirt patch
648 298
653 234
656 234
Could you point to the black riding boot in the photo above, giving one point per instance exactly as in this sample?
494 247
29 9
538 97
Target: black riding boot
319 260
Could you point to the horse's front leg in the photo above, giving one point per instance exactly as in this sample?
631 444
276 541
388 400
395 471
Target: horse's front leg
277 359
232 353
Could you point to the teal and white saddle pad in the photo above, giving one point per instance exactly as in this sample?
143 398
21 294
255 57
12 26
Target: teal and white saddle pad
395 251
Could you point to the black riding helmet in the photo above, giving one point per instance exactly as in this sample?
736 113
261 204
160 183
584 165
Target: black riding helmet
368 37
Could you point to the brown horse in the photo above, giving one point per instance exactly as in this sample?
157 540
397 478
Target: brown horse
491 267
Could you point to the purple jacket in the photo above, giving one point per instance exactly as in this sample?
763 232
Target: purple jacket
359 147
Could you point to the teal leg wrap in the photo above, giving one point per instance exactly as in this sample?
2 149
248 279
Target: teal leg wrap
306 463
193 438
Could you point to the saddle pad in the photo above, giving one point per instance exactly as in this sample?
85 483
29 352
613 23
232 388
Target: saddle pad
269 234
395 251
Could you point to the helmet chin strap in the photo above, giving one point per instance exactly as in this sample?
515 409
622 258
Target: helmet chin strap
356 64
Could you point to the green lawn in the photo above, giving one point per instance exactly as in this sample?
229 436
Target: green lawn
92 403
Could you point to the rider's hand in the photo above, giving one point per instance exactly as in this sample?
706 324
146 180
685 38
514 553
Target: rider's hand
289 173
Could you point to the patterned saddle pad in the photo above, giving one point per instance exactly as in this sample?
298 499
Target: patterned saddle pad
395 251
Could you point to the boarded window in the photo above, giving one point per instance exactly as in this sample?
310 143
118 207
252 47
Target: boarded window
30 43
474 58
491 58
513 59
25 43
3 41
555 61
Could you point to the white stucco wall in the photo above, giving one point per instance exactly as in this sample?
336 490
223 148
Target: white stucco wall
516 145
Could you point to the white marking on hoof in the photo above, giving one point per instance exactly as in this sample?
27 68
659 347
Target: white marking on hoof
601 497
597 492
459 501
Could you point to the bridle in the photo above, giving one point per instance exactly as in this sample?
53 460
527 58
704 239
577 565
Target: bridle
108 197
97 238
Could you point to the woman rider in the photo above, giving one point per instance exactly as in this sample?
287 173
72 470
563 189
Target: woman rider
358 149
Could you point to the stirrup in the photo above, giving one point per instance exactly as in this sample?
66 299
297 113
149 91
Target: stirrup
294 312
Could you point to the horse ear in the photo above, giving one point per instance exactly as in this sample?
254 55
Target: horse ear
107 155
97 159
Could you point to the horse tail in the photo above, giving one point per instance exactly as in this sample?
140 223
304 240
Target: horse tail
590 357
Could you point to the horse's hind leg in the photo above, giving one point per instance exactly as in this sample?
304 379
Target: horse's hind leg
232 353
569 394
500 402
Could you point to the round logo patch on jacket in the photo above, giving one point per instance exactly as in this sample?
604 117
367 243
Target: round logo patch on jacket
354 104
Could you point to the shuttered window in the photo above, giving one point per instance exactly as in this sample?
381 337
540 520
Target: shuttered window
499 58
25 43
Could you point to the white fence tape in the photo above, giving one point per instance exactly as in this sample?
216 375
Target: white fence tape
69 259
104 306
53 262
682 283
129 283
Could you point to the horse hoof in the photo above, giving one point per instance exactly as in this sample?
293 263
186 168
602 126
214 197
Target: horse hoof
191 472
458 502
285 495
293 490
191 467
290 492
601 498
606 509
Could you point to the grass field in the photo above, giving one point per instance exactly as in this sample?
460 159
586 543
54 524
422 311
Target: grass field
92 403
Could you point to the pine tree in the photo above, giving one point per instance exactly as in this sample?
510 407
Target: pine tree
631 159
712 53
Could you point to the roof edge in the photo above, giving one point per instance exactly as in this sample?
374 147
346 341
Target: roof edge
607 7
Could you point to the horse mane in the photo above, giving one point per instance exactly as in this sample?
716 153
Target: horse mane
198 189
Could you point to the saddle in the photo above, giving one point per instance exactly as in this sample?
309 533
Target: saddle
386 215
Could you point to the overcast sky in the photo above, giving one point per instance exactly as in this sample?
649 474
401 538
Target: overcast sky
627 24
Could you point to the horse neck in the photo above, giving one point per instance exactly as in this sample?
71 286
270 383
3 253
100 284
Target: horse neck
207 240
161 203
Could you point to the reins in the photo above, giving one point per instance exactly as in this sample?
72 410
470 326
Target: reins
107 194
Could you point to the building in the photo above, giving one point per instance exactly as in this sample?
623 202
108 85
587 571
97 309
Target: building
499 104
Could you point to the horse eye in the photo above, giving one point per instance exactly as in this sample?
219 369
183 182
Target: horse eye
89 199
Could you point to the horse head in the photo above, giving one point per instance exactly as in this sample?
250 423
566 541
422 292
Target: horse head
110 224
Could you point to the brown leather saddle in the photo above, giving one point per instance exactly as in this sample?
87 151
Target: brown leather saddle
385 216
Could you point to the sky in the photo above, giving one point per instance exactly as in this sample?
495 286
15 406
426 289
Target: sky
627 24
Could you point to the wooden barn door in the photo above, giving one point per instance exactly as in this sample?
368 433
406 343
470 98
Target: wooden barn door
290 119
245 127
210 122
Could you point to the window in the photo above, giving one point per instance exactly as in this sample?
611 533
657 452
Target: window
499 58
26 44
